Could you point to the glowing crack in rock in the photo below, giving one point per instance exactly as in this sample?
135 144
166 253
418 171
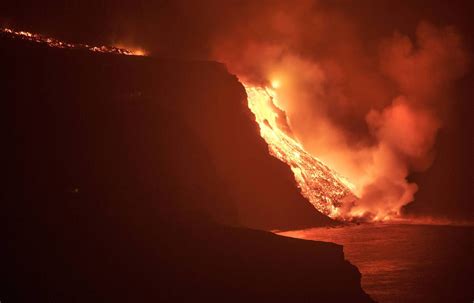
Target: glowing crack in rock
323 187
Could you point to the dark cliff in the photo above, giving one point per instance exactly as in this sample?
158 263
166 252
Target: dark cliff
119 172
115 107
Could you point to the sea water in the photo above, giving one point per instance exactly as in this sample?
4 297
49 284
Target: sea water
406 262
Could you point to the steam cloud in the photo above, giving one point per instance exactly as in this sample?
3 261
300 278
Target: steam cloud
371 112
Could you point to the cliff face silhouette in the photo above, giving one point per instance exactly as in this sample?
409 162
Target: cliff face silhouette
124 176
113 120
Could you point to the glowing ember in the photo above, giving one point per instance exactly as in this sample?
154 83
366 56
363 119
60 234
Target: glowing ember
323 187
275 84
60 44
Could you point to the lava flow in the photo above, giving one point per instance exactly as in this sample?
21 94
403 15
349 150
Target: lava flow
51 42
323 187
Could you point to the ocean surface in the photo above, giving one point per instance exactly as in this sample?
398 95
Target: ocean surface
407 262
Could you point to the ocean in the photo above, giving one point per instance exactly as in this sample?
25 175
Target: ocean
406 262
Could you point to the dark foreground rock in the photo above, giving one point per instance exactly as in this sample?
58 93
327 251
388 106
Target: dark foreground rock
117 170
147 262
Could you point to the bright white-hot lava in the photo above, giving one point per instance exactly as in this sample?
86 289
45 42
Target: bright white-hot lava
329 192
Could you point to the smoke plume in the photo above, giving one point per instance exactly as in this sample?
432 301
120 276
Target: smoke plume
370 110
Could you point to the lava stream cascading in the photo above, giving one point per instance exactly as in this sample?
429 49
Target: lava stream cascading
324 188
51 42
330 193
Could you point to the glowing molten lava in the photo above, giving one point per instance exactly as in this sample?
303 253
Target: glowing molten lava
330 193
60 44
323 187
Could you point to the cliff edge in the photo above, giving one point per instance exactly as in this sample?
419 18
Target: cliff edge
123 176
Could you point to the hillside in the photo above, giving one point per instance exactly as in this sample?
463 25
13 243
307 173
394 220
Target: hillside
123 176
